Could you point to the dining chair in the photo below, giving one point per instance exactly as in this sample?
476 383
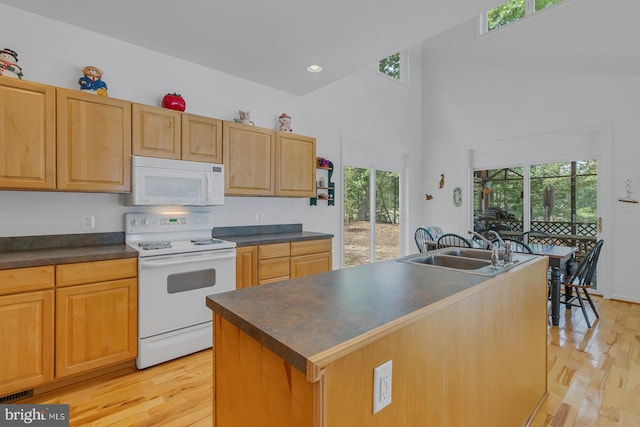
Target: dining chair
452 240
516 245
580 282
422 236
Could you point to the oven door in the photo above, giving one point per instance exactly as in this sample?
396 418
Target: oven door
172 289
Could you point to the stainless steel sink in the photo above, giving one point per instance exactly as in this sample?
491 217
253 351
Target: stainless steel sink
475 261
469 253
456 262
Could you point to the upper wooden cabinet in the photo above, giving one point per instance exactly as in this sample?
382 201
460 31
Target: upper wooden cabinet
155 132
249 160
295 165
27 135
201 139
170 134
263 162
93 142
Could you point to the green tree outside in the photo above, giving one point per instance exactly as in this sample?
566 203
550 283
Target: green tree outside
513 10
356 195
391 66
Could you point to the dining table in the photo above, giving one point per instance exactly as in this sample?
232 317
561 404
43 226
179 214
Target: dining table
558 257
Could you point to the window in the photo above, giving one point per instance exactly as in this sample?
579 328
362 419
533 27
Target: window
512 10
390 66
393 66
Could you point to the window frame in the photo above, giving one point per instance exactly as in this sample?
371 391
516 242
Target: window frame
403 78
529 11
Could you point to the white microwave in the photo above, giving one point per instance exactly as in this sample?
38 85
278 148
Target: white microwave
167 182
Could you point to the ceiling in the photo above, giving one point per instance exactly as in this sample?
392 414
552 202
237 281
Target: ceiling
268 42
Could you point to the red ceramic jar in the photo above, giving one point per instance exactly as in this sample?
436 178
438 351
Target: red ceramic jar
174 101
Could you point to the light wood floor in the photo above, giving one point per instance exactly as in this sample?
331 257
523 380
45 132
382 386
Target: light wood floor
593 380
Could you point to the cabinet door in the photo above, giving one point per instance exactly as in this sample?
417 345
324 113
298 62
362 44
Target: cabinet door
94 142
201 139
246 266
96 325
249 161
27 135
295 165
156 132
307 265
26 340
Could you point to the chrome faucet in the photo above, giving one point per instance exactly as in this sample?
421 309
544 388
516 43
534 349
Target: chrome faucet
484 239
495 233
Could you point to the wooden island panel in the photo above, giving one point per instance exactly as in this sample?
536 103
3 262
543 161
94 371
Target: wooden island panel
257 388
477 360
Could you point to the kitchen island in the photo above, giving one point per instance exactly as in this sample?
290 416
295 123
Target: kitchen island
467 349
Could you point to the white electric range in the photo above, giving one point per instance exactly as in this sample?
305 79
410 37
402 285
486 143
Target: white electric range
179 264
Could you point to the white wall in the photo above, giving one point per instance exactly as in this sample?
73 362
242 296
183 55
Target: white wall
364 105
568 68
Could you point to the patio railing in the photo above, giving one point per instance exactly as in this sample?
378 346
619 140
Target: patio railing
559 233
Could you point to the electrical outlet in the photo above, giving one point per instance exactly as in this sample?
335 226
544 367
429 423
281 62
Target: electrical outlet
382 386
88 221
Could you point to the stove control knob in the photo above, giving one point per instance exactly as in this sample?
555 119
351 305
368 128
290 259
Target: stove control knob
207 220
198 220
134 222
145 222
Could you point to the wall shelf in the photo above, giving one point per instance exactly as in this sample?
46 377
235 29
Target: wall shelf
324 193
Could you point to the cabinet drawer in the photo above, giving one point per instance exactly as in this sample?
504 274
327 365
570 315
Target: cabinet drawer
97 271
310 247
275 250
277 267
26 279
273 280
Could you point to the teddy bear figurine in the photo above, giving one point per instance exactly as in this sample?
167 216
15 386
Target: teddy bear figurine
91 81
244 117
285 123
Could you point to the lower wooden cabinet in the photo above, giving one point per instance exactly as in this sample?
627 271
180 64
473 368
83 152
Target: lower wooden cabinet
258 265
246 266
307 265
273 262
310 257
96 320
58 321
26 328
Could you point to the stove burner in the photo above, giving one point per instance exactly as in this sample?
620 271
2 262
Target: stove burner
154 245
201 242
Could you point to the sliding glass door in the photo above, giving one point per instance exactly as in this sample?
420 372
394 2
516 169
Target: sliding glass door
371 215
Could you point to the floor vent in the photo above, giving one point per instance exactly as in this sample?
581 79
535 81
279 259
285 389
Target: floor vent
16 396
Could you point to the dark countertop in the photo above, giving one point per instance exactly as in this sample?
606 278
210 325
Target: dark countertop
264 239
34 251
266 234
299 318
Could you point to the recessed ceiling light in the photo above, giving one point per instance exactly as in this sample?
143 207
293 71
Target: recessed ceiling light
314 68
